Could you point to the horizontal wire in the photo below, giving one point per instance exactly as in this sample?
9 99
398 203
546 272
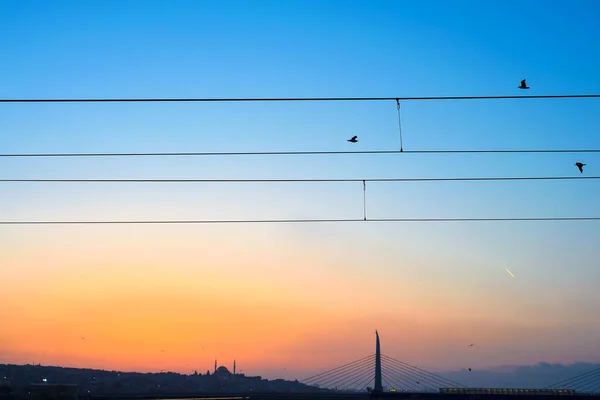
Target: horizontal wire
293 153
293 221
151 180
233 99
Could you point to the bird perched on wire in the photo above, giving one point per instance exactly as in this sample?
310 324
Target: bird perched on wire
580 166
524 84
354 139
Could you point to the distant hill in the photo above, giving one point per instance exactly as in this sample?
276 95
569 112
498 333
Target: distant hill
16 378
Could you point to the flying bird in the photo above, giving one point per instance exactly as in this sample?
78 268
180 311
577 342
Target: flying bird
580 166
471 345
524 84
511 274
354 139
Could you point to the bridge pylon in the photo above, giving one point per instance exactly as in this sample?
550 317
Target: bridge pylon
378 379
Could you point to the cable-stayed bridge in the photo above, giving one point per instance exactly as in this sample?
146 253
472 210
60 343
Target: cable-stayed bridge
584 383
379 376
384 376
396 376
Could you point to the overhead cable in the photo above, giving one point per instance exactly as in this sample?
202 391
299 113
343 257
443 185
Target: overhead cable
291 153
294 221
281 99
315 180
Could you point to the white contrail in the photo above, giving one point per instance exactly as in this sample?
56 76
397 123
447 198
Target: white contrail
511 274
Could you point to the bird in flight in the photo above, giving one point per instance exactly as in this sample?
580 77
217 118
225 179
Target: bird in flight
354 139
580 166
471 345
524 84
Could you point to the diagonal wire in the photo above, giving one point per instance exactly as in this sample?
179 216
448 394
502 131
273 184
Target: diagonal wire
351 374
389 368
351 383
590 385
570 381
340 367
431 374
345 377
399 380
410 380
335 372
366 382
429 377
388 383
413 375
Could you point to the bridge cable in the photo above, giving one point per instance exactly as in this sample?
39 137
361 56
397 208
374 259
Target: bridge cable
425 376
423 371
351 376
352 383
388 384
338 368
341 377
399 381
389 369
365 384
573 379
413 376
591 386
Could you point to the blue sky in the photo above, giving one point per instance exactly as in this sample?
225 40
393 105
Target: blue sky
108 49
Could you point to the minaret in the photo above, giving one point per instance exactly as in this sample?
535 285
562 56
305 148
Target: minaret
234 366
215 365
378 385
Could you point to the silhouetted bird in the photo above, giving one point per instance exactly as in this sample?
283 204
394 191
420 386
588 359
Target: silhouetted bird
524 84
471 345
469 369
580 166
354 139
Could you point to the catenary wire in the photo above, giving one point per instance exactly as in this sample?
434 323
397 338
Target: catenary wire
280 99
292 153
316 180
292 221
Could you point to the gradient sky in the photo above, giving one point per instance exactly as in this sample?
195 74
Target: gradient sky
303 297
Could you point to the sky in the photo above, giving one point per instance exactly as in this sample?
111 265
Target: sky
292 300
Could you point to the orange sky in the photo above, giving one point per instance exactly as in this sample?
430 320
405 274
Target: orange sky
202 293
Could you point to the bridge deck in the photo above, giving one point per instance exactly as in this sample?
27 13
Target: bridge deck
338 396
